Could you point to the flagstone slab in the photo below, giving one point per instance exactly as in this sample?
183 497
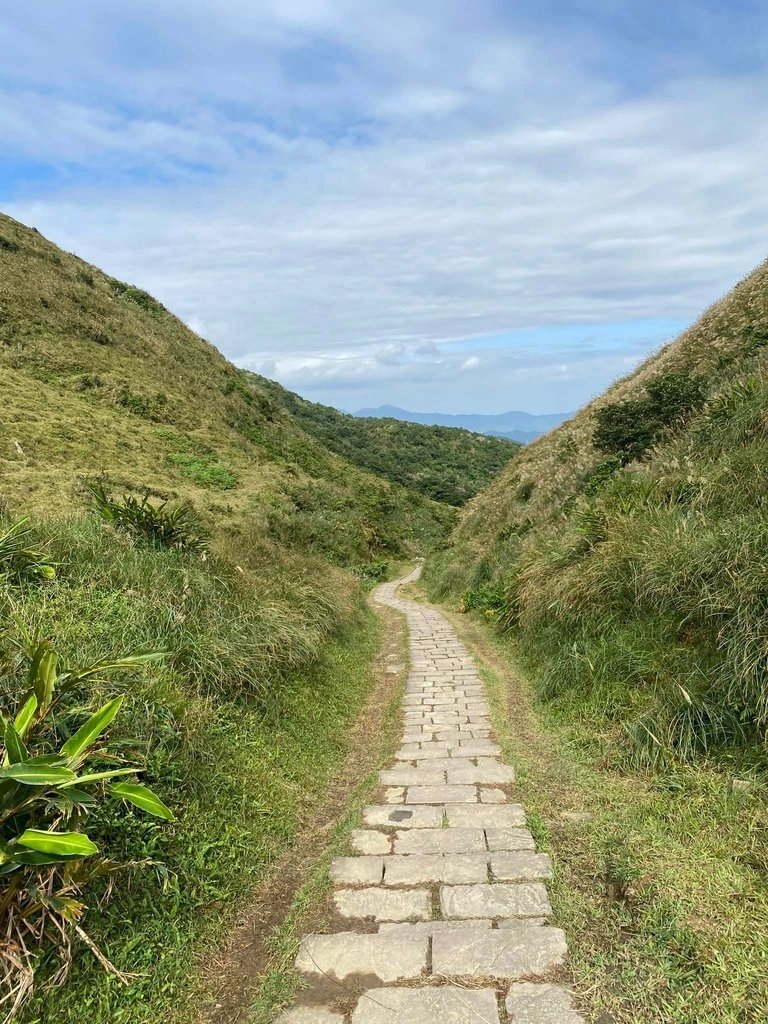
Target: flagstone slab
509 839
485 815
446 1005
389 958
451 868
403 817
528 899
381 904
357 870
510 953
439 840
369 841
441 794
520 866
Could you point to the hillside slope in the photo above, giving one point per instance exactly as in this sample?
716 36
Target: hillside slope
99 379
446 464
261 647
627 548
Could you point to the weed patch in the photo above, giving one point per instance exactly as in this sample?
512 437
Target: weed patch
205 471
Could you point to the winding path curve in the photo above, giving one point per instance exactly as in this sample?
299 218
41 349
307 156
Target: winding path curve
441 917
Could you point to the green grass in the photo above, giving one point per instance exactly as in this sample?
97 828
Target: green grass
240 731
660 880
206 472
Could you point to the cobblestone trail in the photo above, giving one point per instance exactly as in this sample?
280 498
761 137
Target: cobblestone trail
442 914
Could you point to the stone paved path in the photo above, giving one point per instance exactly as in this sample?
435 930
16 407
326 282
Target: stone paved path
442 913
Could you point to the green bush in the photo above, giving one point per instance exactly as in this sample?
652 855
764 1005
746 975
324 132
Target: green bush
628 429
155 523
374 572
137 296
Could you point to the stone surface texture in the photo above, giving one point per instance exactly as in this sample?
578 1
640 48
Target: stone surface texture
442 907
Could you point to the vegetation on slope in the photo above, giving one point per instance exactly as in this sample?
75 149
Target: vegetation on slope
99 379
627 548
623 558
443 463
179 511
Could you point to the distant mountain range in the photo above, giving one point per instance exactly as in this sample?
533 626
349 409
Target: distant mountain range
516 425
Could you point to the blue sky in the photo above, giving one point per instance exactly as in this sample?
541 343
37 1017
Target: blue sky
434 204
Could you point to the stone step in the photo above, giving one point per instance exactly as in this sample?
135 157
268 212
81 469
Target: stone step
450 868
502 899
443 1005
390 957
510 953
529 1003
439 840
379 904
447 831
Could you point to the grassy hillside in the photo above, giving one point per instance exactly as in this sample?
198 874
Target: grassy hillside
627 549
443 463
623 559
221 632
98 378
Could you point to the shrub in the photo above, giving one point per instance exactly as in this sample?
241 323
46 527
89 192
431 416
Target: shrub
20 561
600 474
486 598
137 296
375 572
52 778
8 245
157 524
628 429
673 396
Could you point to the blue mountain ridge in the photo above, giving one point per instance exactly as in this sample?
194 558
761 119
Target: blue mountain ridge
516 425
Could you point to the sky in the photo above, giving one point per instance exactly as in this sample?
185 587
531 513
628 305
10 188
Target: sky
447 206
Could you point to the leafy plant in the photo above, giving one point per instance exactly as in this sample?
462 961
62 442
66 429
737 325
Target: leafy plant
156 523
20 560
51 779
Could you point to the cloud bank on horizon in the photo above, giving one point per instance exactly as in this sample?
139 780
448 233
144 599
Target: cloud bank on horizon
433 204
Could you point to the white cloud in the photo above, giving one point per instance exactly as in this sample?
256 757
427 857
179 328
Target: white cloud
380 178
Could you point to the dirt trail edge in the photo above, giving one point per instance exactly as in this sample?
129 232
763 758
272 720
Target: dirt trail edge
442 914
